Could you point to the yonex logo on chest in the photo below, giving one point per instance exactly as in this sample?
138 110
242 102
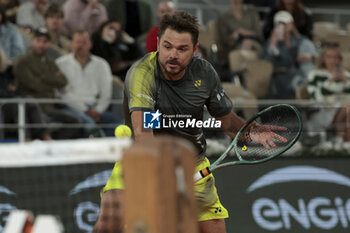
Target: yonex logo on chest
197 83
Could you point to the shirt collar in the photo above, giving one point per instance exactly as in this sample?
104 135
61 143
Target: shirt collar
83 66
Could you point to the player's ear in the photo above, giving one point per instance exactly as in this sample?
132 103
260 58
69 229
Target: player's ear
195 49
157 43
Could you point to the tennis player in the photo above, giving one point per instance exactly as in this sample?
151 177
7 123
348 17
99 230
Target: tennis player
174 81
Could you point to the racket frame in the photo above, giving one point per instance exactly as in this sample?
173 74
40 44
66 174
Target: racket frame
218 165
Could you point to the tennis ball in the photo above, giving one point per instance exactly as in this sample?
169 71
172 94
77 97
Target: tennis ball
122 131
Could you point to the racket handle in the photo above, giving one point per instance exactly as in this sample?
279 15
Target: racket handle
201 174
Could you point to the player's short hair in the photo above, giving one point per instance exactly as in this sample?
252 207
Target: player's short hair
53 10
180 22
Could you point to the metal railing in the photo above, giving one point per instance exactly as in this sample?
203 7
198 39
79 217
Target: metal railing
22 125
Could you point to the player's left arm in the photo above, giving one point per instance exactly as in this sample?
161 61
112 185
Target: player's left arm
220 106
230 124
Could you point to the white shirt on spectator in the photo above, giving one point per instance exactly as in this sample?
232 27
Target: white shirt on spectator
89 86
27 15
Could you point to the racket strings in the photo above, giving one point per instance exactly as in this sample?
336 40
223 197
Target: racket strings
284 117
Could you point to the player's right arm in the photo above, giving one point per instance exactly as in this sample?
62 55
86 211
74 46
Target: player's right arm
137 125
140 93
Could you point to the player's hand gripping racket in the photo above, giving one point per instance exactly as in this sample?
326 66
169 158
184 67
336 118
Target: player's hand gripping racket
265 136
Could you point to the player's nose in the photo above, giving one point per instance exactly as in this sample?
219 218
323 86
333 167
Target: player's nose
173 54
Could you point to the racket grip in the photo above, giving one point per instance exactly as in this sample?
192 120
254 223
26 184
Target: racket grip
201 174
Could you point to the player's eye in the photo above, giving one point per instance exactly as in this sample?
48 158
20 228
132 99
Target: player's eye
183 49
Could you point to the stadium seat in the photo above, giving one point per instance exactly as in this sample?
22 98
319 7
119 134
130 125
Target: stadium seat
238 93
323 29
212 27
301 93
208 35
342 39
257 73
258 77
238 59
118 87
346 60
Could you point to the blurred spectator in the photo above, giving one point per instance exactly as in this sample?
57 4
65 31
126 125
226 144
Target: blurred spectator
202 52
164 7
89 88
38 76
135 16
103 2
31 13
331 83
83 15
262 3
301 15
4 61
11 41
9 111
11 8
290 54
59 44
239 28
116 47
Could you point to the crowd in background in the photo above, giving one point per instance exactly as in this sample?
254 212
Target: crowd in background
79 51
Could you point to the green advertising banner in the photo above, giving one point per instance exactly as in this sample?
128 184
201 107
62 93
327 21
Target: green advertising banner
71 192
283 195
288 195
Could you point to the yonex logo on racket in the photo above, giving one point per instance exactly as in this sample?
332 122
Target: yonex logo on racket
152 120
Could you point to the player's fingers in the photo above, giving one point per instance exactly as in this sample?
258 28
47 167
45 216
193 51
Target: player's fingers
266 145
279 137
277 128
271 143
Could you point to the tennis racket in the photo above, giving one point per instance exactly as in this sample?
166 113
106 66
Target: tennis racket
280 124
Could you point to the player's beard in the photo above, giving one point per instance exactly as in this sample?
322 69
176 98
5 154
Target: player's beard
170 71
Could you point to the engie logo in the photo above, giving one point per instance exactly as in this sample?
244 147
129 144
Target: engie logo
86 212
5 208
151 120
297 207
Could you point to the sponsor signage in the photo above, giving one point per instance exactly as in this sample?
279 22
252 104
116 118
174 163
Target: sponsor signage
289 195
320 211
283 195
71 192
